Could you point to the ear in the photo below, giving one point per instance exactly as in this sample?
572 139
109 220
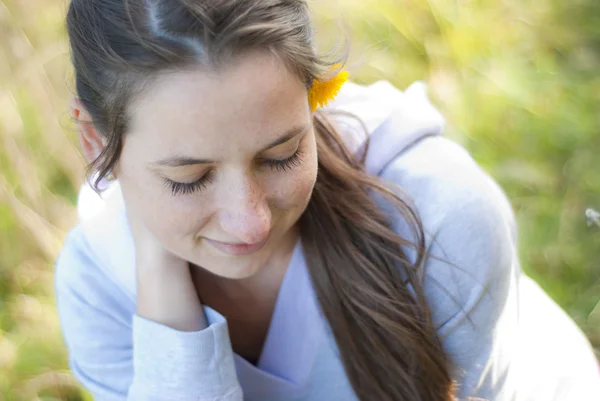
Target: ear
92 142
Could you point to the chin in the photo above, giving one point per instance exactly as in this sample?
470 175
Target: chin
232 269
237 273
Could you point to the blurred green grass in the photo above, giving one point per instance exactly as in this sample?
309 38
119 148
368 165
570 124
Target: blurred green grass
517 80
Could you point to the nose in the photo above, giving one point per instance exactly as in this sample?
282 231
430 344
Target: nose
245 214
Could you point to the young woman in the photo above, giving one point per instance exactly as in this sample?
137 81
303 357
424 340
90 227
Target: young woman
255 246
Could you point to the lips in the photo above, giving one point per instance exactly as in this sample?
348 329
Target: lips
237 249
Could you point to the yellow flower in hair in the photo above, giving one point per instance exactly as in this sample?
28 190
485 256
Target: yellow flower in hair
322 92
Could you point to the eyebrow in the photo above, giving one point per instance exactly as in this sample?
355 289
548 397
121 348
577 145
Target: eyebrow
179 161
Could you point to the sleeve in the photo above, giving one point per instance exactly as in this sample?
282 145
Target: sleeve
471 272
118 355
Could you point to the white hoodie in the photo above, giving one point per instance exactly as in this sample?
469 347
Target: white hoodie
506 340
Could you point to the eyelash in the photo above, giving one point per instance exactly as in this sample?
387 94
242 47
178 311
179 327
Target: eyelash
180 188
285 164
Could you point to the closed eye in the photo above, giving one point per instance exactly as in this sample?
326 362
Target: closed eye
182 188
285 164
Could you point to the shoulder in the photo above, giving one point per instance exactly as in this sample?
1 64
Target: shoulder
76 260
447 187
468 223
96 319
80 278
444 183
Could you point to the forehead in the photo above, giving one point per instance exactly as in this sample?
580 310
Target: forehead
249 100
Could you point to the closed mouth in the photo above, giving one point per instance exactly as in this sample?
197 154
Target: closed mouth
237 249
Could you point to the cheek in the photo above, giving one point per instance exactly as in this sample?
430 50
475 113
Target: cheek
173 219
169 218
182 216
294 188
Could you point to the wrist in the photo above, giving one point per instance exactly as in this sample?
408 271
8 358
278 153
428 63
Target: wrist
167 295
158 259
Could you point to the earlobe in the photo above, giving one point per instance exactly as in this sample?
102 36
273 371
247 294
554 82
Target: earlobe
92 142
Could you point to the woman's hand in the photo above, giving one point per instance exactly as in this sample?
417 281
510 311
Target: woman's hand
165 290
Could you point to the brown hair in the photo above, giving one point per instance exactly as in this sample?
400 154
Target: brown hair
369 291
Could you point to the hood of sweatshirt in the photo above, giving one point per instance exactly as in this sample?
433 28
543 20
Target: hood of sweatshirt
394 120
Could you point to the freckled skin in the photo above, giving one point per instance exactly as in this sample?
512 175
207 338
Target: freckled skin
226 117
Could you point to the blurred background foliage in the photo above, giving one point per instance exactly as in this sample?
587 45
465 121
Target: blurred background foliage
518 81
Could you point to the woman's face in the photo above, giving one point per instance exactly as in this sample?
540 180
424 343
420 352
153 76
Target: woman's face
220 166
